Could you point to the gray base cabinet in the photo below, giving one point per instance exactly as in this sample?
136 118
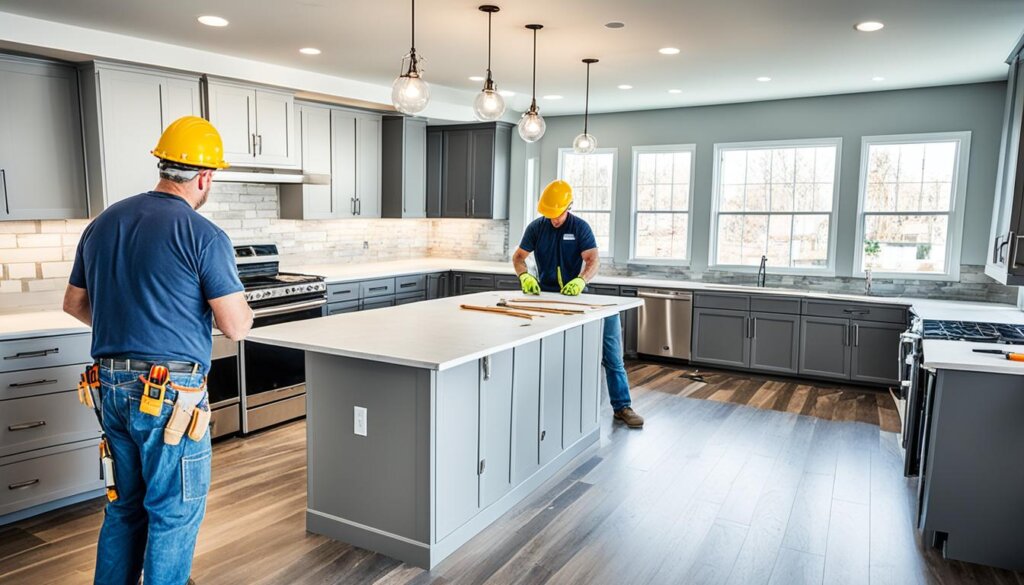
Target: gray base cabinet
824 352
552 378
775 342
871 356
720 337
495 427
526 411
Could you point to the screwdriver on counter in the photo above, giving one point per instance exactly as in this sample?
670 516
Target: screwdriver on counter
1012 356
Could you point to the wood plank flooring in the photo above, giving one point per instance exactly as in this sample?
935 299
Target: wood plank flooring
709 492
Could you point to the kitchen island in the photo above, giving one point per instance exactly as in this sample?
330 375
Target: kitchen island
427 422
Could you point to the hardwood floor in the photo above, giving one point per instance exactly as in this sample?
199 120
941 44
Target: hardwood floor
709 492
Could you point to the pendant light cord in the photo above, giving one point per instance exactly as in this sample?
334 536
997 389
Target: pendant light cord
535 67
413 34
489 14
586 106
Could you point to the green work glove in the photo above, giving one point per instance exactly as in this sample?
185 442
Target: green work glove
574 287
529 283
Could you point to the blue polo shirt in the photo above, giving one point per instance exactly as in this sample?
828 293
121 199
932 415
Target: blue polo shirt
150 264
558 249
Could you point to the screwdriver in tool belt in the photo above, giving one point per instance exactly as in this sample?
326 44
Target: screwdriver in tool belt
1010 355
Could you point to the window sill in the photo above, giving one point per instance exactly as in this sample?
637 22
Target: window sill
931 276
658 262
820 272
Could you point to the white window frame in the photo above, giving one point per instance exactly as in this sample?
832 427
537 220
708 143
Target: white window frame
633 207
955 228
610 253
830 268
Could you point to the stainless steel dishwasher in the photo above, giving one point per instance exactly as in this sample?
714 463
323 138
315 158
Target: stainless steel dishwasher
664 328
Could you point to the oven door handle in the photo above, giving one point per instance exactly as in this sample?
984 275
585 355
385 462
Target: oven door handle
270 311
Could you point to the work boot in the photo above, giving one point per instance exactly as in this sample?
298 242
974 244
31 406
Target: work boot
630 417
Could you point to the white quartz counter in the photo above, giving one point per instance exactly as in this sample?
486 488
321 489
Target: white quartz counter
39 324
958 355
433 334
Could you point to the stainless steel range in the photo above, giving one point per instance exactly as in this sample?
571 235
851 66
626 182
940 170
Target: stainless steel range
273 379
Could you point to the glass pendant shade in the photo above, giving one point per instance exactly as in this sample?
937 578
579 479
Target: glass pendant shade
410 94
584 144
489 105
532 125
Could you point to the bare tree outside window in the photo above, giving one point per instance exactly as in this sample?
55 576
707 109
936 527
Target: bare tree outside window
662 190
592 178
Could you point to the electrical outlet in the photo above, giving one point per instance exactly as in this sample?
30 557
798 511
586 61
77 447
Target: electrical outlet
366 245
360 421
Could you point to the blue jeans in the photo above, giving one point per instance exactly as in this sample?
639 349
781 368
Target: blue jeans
614 368
162 488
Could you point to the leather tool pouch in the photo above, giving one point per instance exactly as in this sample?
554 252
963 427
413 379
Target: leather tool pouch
200 423
178 424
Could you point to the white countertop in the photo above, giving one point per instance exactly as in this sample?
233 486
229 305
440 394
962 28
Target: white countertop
434 334
958 355
39 324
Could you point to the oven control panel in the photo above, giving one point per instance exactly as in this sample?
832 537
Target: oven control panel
285 291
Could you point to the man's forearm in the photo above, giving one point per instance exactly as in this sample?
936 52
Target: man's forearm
519 264
81 312
590 270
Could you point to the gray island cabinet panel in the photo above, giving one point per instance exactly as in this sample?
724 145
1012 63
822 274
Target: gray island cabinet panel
720 337
526 411
775 342
823 350
458 407
495 427
572 388
593 339
874 344
552 378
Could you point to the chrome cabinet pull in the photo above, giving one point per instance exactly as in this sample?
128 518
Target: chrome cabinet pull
359 205
486 365
353 205
26 426
259 137
543 434
856 335
753 328
482 466
7 202
43 382
32 354
22 484
252 143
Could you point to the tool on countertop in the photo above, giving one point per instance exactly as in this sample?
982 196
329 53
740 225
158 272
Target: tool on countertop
553 302
505 303
1010 355
499 311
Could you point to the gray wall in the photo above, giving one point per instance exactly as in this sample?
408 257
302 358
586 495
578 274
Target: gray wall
976 107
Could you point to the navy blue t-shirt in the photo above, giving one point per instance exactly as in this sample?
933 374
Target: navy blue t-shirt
558 248
150 264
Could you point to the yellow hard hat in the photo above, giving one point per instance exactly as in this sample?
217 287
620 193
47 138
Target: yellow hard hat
555 199
192 141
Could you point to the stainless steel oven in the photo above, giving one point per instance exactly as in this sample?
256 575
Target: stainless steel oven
224 389
911 398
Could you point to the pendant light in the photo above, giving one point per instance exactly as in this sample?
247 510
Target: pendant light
585 143
531 125
489 105
410 94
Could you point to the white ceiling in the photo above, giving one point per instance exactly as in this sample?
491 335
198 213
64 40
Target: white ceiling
807 47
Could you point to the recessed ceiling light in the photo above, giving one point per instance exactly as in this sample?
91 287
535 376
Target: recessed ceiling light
309 51
552 97
614 24
869 26
213 20
668 51
675 91
878 78
476 78
506 93
625 86
764 78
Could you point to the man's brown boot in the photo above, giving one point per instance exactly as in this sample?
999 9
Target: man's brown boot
630 417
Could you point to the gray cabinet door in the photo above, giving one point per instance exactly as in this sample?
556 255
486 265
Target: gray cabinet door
179 97
42 166
481 178
824 347
525 411
415 193
495 427
720 337
435 171
437 285
311 200
368 171
593 337
572 387
552 352
275 128
455 188
233 112
343 163
457 458
775 342
875 346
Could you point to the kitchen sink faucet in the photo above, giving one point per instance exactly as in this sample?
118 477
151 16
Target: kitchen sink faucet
762 272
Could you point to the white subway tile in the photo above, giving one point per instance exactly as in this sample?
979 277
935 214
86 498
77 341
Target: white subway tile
38 240
56 269
32 255
21 270
19 227
10 286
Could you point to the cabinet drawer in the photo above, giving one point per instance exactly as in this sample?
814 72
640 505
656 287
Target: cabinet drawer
413 283
378 303
864 312
410 298
377 288
507 283
344 291
345 307
602 289
478 281
41 381
721 301
44 421
63 472
44 352
765 304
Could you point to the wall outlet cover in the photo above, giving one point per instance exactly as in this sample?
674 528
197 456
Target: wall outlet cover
359 425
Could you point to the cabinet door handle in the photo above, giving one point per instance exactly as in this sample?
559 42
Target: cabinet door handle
352 205
26 426
259 137
3 180
856 335
43 382
472 207
1016 251
482 466
342 292
32 354
252 144
543 434
359 205
486 366
22 484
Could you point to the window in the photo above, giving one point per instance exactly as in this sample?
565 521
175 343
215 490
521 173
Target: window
911 204
592 177
662 190
776 199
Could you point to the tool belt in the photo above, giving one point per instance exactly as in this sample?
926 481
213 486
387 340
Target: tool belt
125 364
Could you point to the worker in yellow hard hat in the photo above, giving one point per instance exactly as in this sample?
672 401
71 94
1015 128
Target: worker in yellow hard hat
566 254
148 276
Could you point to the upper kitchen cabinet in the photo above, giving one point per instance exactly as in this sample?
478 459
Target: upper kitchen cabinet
42 165
126 110
1005 262
356 163
313 198
404 163
471 169
256 124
